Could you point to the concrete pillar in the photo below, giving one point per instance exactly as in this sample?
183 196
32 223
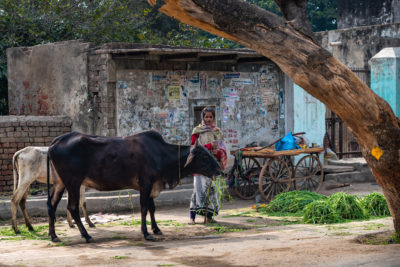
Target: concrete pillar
288 87
385 76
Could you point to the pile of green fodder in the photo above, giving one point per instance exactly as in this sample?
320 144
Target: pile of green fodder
338 207
292 202
320 212
376 205
317 208
348 206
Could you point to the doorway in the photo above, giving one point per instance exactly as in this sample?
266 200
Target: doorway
197 105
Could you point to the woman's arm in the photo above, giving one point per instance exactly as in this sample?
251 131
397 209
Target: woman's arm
195 137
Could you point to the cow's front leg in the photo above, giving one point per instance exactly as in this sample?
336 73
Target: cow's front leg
144 207
152 209
73 207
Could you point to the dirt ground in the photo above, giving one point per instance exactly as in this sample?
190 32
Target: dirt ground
241 237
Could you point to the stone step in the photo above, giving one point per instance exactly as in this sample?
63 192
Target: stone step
350 177
348 161
359 164
337 169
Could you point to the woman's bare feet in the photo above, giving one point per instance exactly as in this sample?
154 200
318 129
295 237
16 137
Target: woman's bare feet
210 220
192 222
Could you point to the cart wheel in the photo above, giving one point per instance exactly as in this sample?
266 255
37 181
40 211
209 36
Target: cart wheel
274 178
246 178
309 173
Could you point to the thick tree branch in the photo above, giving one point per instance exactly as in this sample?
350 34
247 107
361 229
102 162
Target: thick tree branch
211 16
294 12
310 66
313 68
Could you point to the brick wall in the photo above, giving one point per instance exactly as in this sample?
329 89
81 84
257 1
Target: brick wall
17 132
101 83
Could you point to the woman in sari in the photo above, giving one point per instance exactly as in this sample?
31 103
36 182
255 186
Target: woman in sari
205 197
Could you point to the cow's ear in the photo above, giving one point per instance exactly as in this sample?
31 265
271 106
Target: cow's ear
191 155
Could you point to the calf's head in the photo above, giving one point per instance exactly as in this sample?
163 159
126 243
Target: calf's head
202 162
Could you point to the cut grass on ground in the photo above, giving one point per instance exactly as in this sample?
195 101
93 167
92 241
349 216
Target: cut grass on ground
40 233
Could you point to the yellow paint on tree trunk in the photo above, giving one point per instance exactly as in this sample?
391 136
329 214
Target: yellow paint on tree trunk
377 152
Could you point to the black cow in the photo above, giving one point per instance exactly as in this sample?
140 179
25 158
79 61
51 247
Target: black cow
144 162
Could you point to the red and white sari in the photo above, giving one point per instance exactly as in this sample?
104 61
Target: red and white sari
205 198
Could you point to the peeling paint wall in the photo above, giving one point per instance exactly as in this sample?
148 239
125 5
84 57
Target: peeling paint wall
357 13
249 105
309 116
121 97
355 47
49 80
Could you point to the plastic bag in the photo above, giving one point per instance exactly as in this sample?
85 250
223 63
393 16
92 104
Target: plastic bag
302 141
288 142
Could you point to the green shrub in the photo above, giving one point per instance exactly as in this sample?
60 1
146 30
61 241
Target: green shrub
396 238
347 206
376 204
320 211
293 201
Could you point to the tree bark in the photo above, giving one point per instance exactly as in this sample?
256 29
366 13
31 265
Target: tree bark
290 44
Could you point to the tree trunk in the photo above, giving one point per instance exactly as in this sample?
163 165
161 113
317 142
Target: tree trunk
290 44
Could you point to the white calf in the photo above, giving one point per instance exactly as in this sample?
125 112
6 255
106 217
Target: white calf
29 165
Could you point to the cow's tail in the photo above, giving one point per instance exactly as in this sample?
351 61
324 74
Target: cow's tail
49 206
15 170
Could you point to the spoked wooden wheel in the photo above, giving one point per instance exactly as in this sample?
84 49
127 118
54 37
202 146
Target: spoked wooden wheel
275 178
246 178
308 173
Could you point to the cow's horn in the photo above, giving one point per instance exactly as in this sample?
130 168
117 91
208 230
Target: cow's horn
190 157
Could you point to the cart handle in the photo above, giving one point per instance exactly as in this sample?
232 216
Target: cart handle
299 133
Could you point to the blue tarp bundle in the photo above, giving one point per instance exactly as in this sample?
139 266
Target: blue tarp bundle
288 142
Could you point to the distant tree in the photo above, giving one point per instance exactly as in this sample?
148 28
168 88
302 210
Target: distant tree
32 22
322 14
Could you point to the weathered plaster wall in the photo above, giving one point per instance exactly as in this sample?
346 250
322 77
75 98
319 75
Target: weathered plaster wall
304 113
309 116
249 105
357 13
48 80
355 47
385 76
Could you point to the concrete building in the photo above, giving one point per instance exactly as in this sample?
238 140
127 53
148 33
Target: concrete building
365 28
122 89
358 13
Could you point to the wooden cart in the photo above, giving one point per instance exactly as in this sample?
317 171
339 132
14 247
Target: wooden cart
278 173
